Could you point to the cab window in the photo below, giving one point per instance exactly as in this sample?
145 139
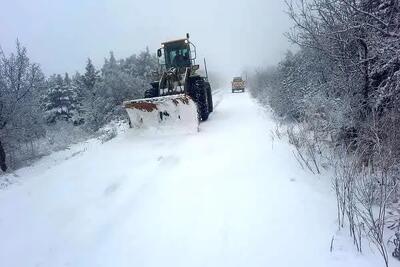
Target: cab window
177 56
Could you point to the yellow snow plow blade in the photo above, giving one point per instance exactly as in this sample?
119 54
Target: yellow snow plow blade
175 112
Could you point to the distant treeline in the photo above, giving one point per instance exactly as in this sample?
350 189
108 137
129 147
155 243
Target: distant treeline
341 95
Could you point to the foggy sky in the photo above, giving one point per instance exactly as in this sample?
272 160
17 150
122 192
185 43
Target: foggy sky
61 35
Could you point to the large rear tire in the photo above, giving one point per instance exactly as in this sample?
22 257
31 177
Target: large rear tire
209 97
201 99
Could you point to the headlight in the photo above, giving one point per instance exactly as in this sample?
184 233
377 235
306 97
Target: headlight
186 41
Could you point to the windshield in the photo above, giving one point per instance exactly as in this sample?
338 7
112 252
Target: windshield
177 56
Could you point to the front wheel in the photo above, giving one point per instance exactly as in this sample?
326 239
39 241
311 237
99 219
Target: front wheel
150 93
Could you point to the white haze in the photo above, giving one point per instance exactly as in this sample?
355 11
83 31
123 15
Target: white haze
61 35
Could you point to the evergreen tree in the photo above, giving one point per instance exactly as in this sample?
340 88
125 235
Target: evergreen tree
78 88
59 102
116 84
90 77
71 100
90 85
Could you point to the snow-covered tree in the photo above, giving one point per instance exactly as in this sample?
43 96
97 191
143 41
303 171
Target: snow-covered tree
342 85
60 100
118 80
21 84
90 77
140 66
78 88
90 91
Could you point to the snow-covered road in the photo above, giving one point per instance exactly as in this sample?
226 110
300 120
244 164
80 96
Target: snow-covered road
226 196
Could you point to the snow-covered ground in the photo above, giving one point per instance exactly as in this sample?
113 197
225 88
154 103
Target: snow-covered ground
226 196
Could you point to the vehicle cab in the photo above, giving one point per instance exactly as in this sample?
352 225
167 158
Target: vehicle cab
179 53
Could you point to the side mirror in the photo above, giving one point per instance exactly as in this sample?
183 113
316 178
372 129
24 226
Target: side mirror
159 52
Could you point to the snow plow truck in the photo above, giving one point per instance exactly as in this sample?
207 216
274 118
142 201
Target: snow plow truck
180 96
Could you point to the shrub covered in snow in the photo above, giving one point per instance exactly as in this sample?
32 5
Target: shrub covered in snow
39 115
342 86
